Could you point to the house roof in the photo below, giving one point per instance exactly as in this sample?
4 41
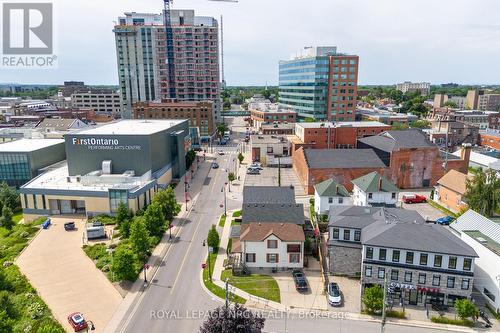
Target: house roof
398 228
258 232
342 158
374 182
273 213
395 140
268 194
61 124
330 188
471 221
455 181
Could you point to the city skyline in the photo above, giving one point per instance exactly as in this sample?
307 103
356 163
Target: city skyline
433 42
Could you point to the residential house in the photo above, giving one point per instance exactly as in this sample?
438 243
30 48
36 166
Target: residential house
425 262
374 190
483 235
330 193
450 190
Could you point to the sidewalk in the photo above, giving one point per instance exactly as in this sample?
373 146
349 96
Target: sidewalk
124 311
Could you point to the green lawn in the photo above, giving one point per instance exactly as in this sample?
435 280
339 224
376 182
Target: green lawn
441 208
264 286
218 291
17 217
237 213
222 220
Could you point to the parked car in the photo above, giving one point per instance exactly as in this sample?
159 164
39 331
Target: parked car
413 198
247 139
300 281
77 321
256 165
68 226
215 165
334 295
223 142
220 152
253 171
445 220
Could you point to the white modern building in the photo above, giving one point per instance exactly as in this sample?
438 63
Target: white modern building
483 235
409 87
330 193
374 190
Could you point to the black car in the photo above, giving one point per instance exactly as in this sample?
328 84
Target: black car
68 226
215 165
300 281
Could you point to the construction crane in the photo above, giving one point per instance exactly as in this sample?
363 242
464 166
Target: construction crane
170 47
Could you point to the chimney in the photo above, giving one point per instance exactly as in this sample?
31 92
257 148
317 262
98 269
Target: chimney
465 155
380 183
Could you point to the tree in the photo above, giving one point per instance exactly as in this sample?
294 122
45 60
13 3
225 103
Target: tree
241 157
220 129
6 219
124 264
420 124
231 177
139 237
154 218
122 214
308 245
450 104
465 309
483 192
213 237
168 203
9 197
266 93
125 228
50 328
190 157
229 320
373 298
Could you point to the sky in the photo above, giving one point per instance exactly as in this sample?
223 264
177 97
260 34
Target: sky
426 40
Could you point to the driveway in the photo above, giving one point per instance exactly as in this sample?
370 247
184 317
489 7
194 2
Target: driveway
269 177
66 278
351 291
425 210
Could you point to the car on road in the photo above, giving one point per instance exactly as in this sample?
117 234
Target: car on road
256 165
247 139
215 165
77 321
300 281
220 152
413 198
445 220
334 295
253 171
68 226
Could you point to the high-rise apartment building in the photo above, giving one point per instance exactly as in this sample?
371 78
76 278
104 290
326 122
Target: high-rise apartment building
104 101
483 100
410 87
320 83
142 59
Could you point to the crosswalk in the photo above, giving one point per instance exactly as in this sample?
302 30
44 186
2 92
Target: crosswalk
227 149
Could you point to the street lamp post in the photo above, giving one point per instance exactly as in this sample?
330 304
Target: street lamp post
146 266
223 189
209 268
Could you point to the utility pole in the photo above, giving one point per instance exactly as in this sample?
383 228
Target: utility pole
227 293
382 327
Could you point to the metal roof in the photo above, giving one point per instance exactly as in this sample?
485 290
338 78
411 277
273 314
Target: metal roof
342 158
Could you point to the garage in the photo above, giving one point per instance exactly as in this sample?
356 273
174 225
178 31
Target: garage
59 207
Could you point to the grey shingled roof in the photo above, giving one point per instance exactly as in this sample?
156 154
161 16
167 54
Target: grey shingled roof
273 213
395 140
330 188
268 194
342 158
370 183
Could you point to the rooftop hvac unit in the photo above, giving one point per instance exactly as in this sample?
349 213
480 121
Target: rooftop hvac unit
106 167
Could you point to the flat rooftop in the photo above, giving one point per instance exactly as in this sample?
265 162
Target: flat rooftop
343 124
27 145
132 127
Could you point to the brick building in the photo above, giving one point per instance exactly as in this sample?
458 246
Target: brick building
259 117
494 121
451 189
490 139
334 135
199 114
278 129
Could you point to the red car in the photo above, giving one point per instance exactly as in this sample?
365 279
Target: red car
77 321
414 198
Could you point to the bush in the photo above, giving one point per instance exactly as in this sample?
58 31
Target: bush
104 219
373 299
395 314
449 321
237 213
465 309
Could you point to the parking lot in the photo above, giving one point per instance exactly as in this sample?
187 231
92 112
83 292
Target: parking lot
269 177
66 278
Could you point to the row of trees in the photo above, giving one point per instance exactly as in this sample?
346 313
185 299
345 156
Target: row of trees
483 192
140 233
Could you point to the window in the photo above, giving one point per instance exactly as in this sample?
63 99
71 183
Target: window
409 257
368 271
450 282
465 284
467 264
330 200
370 195
489 294
438 260
272 244
341 200
393 195
294 258
272 257
116 197
250 257
394 275
395 255
452 263
347 234
436 280
422 278
382 254
269 150
423 259
408 276
357 235
381 273
369 253
335 233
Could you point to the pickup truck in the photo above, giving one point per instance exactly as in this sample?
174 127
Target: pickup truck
414 198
